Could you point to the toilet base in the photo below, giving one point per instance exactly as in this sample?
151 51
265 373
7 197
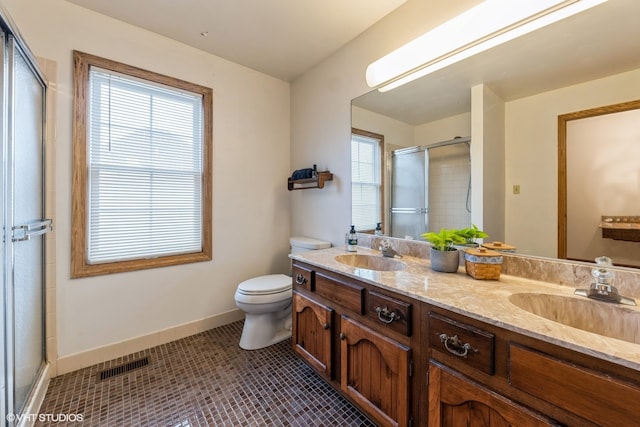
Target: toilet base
263 330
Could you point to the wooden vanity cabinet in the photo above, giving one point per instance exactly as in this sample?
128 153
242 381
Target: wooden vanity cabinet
455 400
360 339
409 363
312 323
374 373
495 377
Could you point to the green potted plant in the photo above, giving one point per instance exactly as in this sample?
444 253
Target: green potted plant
471 234
444 256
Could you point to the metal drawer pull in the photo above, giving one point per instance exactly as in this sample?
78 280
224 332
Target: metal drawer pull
455 346
300 279
325 326
387 316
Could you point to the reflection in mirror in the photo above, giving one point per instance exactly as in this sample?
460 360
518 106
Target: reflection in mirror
367 190
430 188
424 167
579 63
599 184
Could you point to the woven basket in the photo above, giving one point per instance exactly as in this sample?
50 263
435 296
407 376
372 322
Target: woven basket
483 264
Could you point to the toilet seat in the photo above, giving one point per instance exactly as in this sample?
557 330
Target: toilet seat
266 285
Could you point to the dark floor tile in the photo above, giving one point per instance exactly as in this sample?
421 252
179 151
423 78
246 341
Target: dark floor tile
202 380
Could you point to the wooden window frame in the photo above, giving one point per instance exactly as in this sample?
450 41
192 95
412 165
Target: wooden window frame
79 263
382 154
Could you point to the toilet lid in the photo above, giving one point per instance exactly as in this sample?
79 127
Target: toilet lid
266 285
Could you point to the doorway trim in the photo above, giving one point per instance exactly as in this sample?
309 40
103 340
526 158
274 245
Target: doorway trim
562 161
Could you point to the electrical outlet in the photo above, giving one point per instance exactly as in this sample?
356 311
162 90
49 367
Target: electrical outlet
516 189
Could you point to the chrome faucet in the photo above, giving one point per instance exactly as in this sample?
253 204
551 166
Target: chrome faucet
387 250
602 289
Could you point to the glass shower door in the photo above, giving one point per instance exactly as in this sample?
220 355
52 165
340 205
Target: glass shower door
409 193
24 120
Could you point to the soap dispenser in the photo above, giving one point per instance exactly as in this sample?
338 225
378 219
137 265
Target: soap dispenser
378 230
352 240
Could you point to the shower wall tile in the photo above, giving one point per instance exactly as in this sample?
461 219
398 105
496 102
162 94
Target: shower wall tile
449 174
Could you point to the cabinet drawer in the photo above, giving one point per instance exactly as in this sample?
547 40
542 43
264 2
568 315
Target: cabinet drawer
389 311
344 293
302 277
453 340
591 395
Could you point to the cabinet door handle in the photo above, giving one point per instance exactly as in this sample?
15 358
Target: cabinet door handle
325 326
343 336
386 316
455 346
300 279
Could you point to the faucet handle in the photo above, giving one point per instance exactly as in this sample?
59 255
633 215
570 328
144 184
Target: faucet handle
605 261
601 274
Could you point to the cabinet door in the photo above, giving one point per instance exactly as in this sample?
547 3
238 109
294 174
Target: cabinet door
457 401
312 333
375 373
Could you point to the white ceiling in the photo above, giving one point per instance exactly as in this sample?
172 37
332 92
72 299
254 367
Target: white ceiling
285 38
281 38
596 43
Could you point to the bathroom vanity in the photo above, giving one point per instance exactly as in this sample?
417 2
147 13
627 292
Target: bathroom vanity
410 346
360 338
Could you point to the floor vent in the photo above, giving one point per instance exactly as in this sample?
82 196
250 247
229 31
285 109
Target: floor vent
123 369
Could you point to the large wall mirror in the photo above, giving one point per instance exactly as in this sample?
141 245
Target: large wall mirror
587 61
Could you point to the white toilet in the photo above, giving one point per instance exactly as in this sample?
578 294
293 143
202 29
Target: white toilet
266 302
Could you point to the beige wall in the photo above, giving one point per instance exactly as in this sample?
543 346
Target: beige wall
251 212
532 161
395 132
487 161
443 130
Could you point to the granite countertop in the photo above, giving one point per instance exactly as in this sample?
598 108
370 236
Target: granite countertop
484 300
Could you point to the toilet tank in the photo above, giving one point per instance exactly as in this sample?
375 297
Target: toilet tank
303 244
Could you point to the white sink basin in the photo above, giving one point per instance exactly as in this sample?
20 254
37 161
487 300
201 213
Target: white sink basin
602 318
371 262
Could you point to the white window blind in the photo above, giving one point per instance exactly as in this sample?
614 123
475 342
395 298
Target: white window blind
145 150
365 182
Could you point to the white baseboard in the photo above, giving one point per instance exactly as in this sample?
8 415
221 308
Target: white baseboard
81 360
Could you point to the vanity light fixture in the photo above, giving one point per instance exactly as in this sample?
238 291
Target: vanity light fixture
480 28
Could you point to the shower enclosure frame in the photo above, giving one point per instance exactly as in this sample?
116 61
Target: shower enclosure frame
423 209
13 51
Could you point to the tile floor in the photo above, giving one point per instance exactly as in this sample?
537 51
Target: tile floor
202 380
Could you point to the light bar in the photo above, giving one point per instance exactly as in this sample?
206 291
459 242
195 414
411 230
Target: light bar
480 28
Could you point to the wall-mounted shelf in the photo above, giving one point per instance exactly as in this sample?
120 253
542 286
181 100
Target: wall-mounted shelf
303 184
621 228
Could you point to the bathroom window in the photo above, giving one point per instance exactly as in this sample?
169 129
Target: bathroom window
141 169
366 181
